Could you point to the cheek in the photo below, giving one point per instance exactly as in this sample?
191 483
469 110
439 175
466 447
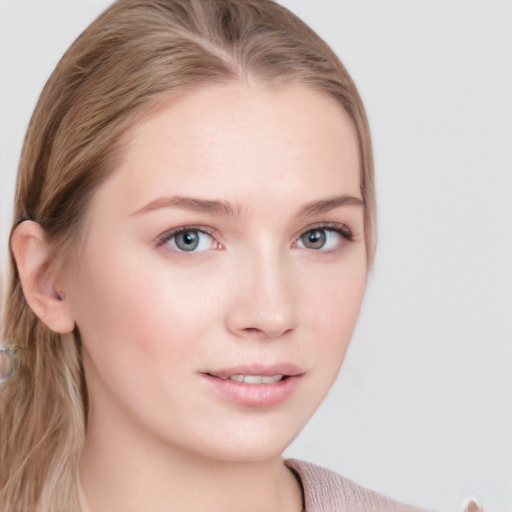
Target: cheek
127 309
335 309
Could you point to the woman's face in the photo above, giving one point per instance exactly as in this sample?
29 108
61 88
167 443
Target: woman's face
227 246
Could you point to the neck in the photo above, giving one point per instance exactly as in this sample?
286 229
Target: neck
118 473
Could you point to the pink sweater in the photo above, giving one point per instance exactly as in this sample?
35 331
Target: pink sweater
326 491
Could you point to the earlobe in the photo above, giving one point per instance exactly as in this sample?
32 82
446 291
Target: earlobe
33 261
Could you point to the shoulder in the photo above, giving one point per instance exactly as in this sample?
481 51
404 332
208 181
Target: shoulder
326 491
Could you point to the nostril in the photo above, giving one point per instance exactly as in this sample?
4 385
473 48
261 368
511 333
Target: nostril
267 331
252 330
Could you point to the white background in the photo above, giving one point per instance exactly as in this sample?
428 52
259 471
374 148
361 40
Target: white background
422 410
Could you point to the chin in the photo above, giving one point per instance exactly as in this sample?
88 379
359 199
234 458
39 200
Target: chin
256 443
249 453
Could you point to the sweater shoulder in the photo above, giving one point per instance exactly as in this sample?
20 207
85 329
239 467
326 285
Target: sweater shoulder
327 491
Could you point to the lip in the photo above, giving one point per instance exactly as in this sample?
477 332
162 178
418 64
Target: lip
255 395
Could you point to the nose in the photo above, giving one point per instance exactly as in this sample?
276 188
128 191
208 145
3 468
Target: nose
264 302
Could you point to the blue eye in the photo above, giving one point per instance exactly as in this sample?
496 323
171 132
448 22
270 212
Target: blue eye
322 238
188 240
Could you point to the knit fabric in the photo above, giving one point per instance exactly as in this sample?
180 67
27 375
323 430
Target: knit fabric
326 491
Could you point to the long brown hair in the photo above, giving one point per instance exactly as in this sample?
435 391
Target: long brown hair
137 54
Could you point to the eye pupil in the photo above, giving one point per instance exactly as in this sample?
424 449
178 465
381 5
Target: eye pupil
187 241
314 239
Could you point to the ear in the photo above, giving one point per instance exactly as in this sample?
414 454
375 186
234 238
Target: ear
40 286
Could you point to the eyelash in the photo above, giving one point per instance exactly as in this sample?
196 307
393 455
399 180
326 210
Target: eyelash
341 229
166 237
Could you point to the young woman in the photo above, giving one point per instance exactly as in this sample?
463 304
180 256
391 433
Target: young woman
194 224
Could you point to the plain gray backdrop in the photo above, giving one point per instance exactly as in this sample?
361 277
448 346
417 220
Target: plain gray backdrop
422 410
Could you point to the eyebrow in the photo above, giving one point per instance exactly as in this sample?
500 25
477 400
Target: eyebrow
225 208
326 205
193 204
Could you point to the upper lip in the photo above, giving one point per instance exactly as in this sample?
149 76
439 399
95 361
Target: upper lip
285 369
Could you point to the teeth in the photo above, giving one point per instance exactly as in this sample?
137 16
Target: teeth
256 379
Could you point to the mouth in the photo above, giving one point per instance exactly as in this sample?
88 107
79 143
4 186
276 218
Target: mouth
257 373
255 386
251 379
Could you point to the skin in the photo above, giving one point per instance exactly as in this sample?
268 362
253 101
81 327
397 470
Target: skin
155 319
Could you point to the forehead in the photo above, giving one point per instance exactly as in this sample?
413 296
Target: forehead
241 137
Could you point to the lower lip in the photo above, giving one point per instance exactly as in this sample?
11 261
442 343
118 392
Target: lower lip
254 395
